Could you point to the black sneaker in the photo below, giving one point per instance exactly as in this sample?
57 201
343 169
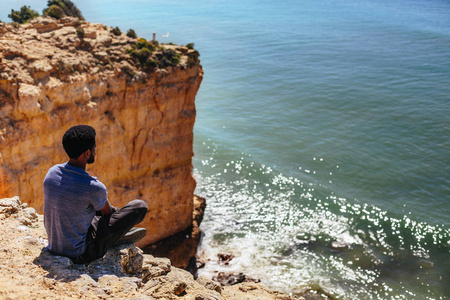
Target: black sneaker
134 235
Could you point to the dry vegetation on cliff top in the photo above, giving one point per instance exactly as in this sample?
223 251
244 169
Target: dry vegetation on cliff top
29 271
69 46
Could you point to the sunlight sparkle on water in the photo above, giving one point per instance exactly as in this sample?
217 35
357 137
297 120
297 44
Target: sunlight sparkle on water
308 235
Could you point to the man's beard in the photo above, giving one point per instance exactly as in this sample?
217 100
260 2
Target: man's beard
91 159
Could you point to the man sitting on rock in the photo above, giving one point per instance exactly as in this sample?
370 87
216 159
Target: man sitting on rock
80 221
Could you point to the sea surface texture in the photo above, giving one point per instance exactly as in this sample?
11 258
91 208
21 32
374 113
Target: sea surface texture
322 137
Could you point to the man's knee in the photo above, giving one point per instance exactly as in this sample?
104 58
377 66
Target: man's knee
140 206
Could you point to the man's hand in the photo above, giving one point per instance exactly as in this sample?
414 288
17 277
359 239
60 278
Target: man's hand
107 209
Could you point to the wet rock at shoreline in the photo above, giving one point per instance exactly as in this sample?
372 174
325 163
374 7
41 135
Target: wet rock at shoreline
227 279
224 259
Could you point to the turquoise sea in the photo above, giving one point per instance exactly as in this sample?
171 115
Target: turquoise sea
322 137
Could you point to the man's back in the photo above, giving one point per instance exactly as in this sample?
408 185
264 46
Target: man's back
71 198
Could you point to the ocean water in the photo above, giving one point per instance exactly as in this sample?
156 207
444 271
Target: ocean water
322 137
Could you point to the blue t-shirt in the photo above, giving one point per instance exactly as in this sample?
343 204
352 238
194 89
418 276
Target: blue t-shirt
71 198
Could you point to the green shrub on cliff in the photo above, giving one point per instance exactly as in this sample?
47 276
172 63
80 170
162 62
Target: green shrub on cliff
80 33
193 58
143 43
141 47
23 15
60 8
131 33
168 57
142 51
141 54
116 31
54 11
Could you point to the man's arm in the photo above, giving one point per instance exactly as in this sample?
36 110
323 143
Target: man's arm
107 209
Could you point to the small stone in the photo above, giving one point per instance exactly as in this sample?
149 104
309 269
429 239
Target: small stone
163 263
152 272
30 213
210 284
207 296
179 288
9 205
24 221
132 259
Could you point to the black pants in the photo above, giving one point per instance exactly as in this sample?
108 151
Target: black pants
107 230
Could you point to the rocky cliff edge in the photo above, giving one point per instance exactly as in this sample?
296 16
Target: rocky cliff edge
29 271
139 96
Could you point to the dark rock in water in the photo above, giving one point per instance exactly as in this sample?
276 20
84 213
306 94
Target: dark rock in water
227 279
224 259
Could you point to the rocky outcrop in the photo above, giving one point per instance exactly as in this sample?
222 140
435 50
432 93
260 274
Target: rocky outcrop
29 271
55 74
181 248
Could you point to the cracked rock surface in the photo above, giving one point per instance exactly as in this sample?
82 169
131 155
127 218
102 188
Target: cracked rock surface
29 271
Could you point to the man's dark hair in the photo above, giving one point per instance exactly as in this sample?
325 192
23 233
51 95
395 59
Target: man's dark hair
78 139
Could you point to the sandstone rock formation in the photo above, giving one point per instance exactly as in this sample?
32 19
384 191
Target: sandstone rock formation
59 73
181 248
29 271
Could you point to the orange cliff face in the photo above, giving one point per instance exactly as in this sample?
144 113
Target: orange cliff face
52 78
